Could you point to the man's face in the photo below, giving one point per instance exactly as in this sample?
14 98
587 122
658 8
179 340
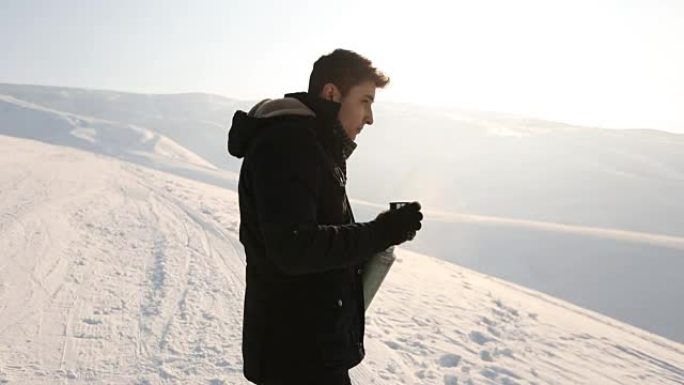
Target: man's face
356 108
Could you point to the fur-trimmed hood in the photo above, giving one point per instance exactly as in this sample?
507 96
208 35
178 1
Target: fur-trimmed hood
246 126
269 108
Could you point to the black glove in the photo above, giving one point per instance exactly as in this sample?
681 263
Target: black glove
400 225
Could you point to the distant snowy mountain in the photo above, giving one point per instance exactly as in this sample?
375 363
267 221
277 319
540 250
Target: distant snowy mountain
516 167
455 160
116 273
592 216
197 121
118 137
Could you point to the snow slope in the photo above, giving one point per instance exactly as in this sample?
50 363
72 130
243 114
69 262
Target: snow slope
114 273
120 139
196 121
569 211
631 276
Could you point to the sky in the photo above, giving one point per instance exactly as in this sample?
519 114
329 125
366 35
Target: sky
605 63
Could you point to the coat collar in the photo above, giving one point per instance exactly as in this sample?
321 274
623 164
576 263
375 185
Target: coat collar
327 111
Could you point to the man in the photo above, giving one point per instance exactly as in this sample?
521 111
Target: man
304 310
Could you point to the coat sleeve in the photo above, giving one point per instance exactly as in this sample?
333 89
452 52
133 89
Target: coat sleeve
284 180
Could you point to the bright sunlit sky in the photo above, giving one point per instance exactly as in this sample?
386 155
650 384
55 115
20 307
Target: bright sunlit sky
608 63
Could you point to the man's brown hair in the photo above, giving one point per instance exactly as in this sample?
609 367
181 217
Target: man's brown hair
344 69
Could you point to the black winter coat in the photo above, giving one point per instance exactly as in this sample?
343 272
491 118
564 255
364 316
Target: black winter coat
303 305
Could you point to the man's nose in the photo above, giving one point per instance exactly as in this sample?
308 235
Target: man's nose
369 119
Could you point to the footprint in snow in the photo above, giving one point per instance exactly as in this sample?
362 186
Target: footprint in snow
392 345
486 356
449 360
479 338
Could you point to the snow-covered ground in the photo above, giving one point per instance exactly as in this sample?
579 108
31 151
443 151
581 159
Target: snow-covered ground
584 214
115 273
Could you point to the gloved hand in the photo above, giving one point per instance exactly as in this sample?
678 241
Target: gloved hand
400 225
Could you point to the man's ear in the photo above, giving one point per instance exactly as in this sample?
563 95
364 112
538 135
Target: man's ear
331 92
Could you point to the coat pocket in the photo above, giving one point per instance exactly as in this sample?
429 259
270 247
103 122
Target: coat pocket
334 335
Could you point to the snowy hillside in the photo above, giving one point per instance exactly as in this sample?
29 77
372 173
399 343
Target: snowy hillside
495 162
592 216
115 273
196 121
116 138
523 168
